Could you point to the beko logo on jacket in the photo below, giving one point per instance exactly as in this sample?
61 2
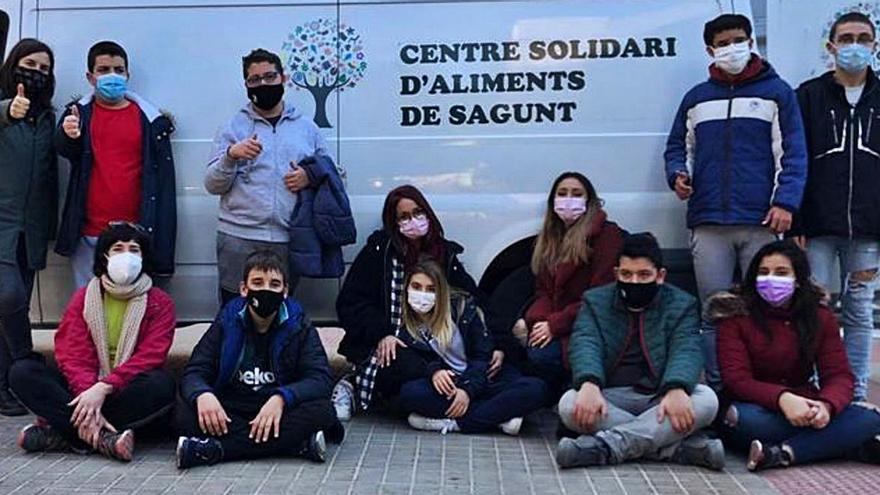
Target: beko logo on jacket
256 378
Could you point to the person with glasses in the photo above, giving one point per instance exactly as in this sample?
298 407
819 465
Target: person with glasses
254 168
370 304
28 195
122 168
839 221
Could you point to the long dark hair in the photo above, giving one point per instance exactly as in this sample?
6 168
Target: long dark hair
22 49
804 303
431 244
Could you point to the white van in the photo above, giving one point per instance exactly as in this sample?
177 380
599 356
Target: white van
478 103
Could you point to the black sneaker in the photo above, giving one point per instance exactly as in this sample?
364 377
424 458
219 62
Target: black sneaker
40 437
194 451
583 451
869 452
766 456
9 405
700 450
315 448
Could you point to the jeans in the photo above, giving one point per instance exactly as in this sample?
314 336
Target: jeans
298 423
717 249
16 285
846 432
631 429
509 396
83 261
859 260
546 363
45 392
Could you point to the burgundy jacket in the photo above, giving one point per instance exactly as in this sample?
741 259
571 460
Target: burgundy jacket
757 370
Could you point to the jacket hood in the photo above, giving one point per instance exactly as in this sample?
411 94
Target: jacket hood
757 69
380 238
151 111
289 112
870 83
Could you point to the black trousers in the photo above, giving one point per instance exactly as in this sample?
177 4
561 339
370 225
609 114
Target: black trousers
298 423
409 365
16 285
44 391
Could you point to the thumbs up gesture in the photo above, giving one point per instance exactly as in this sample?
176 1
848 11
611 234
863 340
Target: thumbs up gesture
71 123
20 104
246 149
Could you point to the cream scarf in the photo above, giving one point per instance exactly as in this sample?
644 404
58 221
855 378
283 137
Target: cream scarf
93 313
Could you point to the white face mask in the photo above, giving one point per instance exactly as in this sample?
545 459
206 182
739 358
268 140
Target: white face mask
733 58
124 268
421 302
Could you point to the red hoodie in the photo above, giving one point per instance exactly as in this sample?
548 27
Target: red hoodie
77 355
558 293
757 370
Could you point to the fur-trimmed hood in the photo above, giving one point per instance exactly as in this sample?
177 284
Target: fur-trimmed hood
729 304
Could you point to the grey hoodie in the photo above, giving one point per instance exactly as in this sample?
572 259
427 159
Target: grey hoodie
254 204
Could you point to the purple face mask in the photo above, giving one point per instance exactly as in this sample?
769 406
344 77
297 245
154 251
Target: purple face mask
415 227
569 209
774 289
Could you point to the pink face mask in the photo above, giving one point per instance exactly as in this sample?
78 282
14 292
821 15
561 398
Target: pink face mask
415 227
569 209
774 289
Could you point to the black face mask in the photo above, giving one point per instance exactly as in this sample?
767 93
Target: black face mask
637 296
266 96
35 83
264 302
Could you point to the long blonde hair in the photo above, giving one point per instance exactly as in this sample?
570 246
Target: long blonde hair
439 320
558 244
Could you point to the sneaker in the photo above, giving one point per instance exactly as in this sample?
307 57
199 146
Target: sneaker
766 456
586 450
119 446
9 405
869 452
700 450
40 437
315 448
512 426
193 451
343 399
443 425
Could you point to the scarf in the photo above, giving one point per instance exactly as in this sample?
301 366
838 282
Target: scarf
93 313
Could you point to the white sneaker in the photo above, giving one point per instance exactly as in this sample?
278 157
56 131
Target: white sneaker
511 426
443 425
343 399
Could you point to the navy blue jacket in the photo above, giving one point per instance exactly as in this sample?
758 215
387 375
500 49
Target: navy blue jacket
321 222
298 358
158 212
743 147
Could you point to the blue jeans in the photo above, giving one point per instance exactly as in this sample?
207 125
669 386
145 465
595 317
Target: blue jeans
856 295
509 396
846 432
83 261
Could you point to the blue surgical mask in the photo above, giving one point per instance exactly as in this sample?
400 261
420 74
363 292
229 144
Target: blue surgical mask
111 87
853 57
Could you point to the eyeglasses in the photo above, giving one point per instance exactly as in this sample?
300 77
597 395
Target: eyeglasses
125 223
267 78
418 214
848 39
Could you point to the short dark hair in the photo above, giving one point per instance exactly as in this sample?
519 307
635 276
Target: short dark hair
851 17
642 245
122 232
111 48
264 260
726 22
260 55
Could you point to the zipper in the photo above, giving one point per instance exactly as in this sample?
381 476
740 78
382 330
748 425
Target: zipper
867 138
625 343
834 127
645 347
725 172
851 168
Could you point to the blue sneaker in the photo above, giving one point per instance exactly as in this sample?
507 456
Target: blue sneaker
194 451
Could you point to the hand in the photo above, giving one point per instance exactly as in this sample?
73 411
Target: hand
20 104
589 407
778 219
268 418
444 382
246 149
822 414
387 350
495 364
459 405
87 405
676 404
297 179
801 241
797 410
540 335
212 417
71 123
90 433
683 188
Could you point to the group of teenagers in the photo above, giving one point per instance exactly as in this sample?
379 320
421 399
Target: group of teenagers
635 367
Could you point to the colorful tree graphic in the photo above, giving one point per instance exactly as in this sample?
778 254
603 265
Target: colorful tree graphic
322 56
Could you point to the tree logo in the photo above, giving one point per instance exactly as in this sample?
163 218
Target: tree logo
870 9
321 56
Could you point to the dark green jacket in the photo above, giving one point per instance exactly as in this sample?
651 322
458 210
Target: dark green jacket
28 185
669 334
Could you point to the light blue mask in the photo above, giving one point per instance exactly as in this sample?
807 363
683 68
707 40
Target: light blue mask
111 87
853 57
